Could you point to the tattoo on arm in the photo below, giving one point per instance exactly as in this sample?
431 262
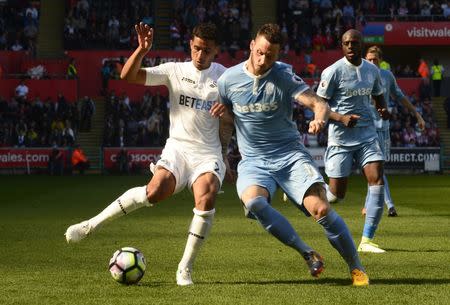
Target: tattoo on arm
314 102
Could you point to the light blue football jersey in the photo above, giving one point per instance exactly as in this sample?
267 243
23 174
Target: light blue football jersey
348 89
262 107
390 88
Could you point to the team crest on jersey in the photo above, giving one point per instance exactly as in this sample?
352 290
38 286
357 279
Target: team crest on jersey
269 88
323 84
370 78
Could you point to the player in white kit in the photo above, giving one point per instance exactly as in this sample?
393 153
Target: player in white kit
192 156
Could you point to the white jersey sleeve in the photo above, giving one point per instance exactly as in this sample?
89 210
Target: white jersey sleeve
159 75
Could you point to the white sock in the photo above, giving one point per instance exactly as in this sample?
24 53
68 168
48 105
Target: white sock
200 226
129 201
330 196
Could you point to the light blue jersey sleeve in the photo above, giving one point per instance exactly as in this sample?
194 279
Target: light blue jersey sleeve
292 83
377 84
327 83
392 87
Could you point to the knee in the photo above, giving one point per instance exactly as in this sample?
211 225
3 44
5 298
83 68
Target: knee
206 202
152 195
315 201
321 210
155 193
256 204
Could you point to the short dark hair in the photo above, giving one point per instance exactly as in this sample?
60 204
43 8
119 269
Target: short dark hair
271 32
206 31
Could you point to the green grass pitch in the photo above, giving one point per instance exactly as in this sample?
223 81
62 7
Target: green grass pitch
239 264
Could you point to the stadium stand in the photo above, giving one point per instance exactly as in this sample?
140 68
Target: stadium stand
99 36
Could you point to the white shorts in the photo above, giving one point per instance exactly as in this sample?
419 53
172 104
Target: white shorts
188 166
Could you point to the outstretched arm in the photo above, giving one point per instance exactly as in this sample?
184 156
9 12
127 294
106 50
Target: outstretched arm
349 120
132 71
320 108
406 103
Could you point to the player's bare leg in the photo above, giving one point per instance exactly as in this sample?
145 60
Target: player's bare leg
159 188
205 189
336 189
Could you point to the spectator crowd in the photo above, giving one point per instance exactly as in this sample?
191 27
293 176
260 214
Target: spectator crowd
136 123
313 25
319 24
42 122
19 25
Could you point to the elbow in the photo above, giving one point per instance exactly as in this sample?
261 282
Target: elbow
128 78
125 76
133 78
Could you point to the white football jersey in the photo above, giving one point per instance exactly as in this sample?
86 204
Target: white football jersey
192 93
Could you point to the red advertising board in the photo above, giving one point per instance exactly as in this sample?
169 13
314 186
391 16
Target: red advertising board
139 156
89 65
25 157
43 88
410 33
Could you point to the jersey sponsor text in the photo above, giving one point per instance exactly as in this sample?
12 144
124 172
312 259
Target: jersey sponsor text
195 103
358 92
256 107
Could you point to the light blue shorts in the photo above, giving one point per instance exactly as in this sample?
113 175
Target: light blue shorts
294 177
339 159
385 142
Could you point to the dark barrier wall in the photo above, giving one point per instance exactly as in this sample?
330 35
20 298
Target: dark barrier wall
43 88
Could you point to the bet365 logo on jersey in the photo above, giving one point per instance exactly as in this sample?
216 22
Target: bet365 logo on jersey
256 107
358 92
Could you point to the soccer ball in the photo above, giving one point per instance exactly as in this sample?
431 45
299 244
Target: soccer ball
127 265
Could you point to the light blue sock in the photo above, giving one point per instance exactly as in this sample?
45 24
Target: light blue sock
387 194
340 238
374 211
367 197
276 224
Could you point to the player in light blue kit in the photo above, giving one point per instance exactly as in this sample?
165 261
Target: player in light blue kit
391 89
259 92
348 86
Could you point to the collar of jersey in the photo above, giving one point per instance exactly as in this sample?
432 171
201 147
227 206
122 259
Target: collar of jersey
244 67
201 71
350 64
